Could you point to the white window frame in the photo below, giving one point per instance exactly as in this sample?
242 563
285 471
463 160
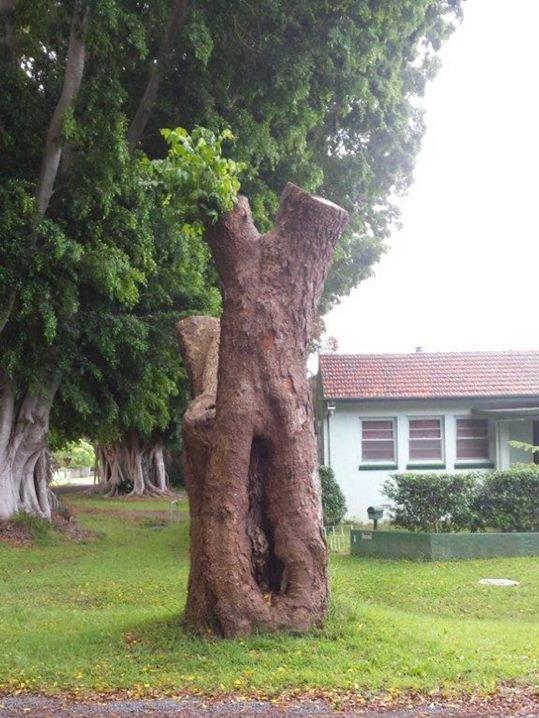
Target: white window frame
428 462
486 462
394 462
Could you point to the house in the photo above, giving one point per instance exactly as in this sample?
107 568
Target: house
383 413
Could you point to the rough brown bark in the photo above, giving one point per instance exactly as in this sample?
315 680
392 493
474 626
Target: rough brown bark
257 550
178 14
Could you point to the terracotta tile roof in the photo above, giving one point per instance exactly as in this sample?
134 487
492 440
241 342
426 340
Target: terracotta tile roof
424 375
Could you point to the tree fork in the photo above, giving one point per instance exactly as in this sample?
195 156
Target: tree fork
258 555
178 15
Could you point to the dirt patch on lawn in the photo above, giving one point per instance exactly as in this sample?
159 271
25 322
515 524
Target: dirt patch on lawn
125 507
506 703
22 532
15 535
71 529
147 516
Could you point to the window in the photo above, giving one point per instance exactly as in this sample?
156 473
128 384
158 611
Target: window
378 440
472 440
426 440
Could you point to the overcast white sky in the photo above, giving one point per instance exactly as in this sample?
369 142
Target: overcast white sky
463 273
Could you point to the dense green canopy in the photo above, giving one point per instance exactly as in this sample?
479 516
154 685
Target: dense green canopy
95 265
321 94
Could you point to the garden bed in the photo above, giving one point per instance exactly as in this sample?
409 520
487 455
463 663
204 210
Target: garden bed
442 546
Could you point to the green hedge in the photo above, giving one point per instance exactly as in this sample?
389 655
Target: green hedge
509 500
502 500
333 501
432 502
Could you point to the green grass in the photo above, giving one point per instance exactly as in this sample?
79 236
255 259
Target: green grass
35 528
105 615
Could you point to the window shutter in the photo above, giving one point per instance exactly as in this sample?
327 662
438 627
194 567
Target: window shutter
472 439
378 440
425 439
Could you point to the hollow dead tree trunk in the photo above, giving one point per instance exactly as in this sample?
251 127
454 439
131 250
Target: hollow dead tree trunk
257 550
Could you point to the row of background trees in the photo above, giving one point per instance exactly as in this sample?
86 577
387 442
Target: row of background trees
101 216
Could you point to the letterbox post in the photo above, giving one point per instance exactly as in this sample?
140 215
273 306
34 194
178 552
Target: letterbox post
374 513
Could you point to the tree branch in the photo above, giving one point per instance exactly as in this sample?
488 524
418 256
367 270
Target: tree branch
180 8
76 55
6 8
6 313
7 409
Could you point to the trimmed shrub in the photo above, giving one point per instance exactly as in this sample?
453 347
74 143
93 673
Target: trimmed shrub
433 502
509 500
502 500
333 501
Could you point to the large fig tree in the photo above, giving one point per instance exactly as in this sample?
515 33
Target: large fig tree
89 240
328 100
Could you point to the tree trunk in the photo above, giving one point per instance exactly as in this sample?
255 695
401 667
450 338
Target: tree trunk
257 550
177 18
76 56
121 469
7 39
52 151
24 464
5 313
157 458
109 470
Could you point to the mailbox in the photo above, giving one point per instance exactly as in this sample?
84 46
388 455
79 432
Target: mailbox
375 513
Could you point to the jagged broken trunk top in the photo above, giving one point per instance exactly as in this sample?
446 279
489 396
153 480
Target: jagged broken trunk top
258 557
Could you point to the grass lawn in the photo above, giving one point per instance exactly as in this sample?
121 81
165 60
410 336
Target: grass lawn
105 615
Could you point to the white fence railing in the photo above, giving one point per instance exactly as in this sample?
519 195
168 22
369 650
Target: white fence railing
175 513
338 538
